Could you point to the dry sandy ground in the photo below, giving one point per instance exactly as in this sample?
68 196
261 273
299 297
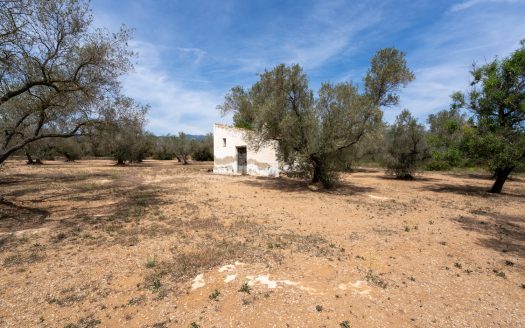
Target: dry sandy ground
163 245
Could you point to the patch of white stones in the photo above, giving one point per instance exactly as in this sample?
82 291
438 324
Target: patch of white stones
359 287
378 197
198 282
229 278
252 280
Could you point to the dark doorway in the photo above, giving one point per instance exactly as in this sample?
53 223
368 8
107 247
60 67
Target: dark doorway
242 161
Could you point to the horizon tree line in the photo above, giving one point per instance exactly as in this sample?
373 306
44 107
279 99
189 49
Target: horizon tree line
60 93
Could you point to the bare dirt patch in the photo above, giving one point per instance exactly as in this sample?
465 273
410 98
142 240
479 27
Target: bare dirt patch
159 244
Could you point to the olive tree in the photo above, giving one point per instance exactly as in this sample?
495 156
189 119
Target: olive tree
56 71
445 136
316 135
164 148
182 147
202 150
70 148
37 152
406 146
496 101
123 131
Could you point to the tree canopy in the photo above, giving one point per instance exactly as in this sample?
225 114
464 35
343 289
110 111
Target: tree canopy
316 135
445 139
58 74
406 146
496 101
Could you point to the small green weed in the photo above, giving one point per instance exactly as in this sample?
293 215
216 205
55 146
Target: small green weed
151 263
245 288
345 324
499 273
215 295
87 322
137 300
375 280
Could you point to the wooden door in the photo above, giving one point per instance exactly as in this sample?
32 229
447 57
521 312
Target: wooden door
242 160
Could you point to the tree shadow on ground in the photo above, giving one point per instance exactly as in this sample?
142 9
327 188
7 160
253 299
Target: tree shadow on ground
14 217
484 176
364 170
80 198
417 178
470 190
503 233
28 185
302 186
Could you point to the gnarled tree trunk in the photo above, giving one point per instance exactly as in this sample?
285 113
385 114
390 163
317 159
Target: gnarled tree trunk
320 172
501 175
30 160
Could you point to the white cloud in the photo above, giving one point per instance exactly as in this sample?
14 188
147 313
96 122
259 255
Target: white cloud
431 90
470 3
195 54
446 52
320 36
174 106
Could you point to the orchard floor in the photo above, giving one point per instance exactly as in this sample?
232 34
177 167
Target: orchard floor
160 244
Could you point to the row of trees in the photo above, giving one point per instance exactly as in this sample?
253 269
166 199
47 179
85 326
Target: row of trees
60 91
484 127
182 147
60 77
126 145
320 135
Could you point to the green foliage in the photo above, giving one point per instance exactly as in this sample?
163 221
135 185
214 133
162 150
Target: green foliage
239 102
317 136
58 71
124 132
215 295
497 103
245 288
70 148
164 148
182 147
387 74
151 263
406 146
345 324
38 151
202 150
445 135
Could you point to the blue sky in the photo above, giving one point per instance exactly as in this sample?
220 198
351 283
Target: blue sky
192 52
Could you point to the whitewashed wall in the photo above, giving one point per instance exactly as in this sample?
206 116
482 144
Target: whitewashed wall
262 163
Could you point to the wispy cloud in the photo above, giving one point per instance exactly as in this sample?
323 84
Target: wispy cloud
324 32
192 53
470 3
447 50
174 106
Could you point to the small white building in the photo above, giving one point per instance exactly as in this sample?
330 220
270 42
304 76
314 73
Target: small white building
233 154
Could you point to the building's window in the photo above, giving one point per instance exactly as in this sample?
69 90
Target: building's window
224 142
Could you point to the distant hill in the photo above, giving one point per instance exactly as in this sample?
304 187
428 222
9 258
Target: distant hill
197 137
